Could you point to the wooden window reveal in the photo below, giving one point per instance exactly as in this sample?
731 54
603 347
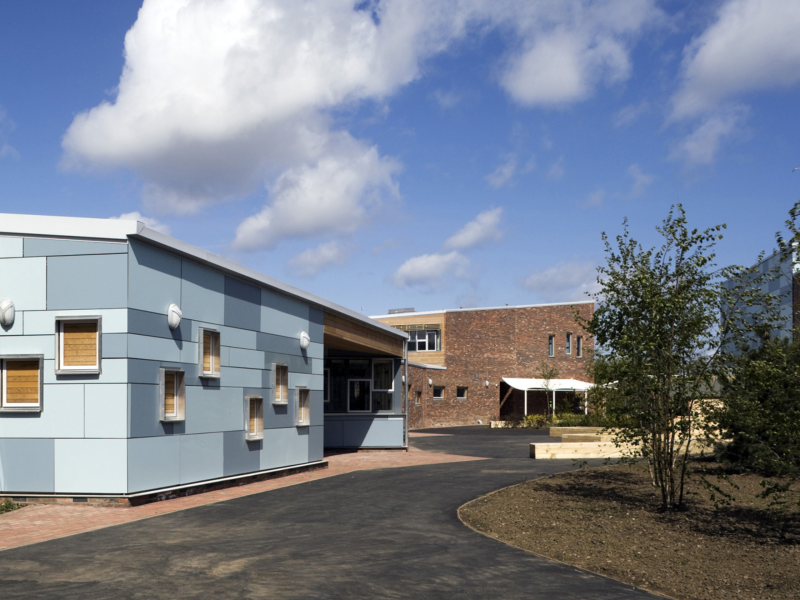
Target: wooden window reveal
22 382
254 415
79 344
281 383
172 399
170 396
303 414
210 353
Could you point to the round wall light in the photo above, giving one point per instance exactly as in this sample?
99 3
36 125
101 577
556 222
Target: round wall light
487 383
174 316
430 381
6 312
305 341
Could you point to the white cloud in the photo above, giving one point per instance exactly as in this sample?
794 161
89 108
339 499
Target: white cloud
629 114
752 45
503 173
563 283
701 146
148 221
314 260
484 228
640 181
446 99
557 169
431 271
8 151
596 198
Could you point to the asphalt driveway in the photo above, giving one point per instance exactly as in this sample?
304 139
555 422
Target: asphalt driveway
388 533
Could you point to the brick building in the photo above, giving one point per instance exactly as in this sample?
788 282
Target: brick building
458 359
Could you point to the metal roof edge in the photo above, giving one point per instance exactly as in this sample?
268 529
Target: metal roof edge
448 310
425 366
68 227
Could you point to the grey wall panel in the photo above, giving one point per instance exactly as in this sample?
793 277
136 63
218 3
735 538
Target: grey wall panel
229 336
203 294
317 408
24 280
246 359
87 282
317 366
242 304
153 463
312 382
154 278
27 466
296 364
397 395
209 410
155 325
143 371
285 345
91 466
373 433
16 328
282 315
240 456
61 417
106 410
143 412
316 327
284 447
316 443
153 348
115 370
43 322
115 345
50 247
278 416
334 431
10 247
28 344
233 377
201 457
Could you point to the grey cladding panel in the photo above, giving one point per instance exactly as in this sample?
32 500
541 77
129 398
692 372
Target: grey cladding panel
203 294
27 465
242 305
155 324
49 247
155 278
240 456
87 282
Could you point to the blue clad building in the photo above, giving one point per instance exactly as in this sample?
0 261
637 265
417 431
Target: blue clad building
132 363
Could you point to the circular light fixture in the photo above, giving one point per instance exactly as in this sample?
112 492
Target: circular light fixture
174 316
305 341
6 312
430 381
487 383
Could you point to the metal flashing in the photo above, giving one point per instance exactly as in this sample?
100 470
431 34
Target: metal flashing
452 310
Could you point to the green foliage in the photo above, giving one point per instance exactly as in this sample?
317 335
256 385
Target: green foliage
8 506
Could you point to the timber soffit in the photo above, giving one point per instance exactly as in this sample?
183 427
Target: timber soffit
111 229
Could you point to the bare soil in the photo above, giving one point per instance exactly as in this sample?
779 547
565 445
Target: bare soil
607 520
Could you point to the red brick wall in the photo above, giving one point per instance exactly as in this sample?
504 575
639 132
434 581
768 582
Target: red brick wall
487 345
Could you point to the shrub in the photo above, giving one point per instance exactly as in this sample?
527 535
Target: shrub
8 506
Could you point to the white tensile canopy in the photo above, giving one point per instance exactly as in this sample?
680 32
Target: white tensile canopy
552 385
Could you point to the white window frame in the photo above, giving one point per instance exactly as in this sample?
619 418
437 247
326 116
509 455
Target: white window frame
374 388
298 391
214 373
435 397
97 369
568 347
17 407
579 346
180 395
551 346
259 433
425 331
326 386
274 381
369 408
462 398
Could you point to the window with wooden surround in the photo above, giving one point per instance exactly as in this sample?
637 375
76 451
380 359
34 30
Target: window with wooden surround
78 345
173 395
209 353
21 383
254 418
461 393
438 392
418 398
382 384
303 414
579 347
280 383
568 346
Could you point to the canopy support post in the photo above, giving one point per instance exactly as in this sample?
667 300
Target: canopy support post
554 404
586 402
526 403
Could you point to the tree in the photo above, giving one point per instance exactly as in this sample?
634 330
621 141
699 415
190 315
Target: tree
546 372
665 323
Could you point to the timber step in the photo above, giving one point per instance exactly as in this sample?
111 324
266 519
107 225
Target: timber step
559 431
576 450
587 437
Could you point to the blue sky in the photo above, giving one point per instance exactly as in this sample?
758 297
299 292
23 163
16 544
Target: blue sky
406 153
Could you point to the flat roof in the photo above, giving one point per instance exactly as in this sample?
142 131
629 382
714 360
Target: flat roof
448 310
123 230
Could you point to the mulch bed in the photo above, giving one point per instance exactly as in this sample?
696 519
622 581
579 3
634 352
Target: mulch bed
607 520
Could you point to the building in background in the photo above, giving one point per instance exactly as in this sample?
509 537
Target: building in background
459 357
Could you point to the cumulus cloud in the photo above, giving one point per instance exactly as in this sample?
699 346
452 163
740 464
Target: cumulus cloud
567 281
631 113
701 146
218 98
314 260
148 221
484 228
446 99
503 173
640 181
430 272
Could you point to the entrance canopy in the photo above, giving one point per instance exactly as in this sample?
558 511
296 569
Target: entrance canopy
553 385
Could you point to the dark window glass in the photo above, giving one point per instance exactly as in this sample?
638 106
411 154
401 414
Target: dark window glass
382 400
382 374
461 393
359 369
550 343
359 395
438 392
569 343
433 340
579 347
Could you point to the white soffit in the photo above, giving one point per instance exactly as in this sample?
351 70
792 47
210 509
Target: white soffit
554 385
68 227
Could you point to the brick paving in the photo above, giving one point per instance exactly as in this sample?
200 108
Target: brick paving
41 522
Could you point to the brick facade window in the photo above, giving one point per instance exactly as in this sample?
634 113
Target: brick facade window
579 347
438 392
461 393
569 344
551 345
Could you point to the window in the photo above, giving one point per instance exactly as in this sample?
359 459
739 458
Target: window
424 341
173 393
569 344
326 385
78 345
254 418
382 384
280 384
209 353
461 393
418 398
358 395
579 347
438 392
303 415
21 383
551 342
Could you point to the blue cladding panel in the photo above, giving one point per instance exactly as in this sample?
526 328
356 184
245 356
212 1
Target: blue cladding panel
201 457
43 322
155 325
317 366
278 415
91 466
296 364
24 280
143 412
48 247
203 294
235 338
153 348
62 416
87 282
155 278
240 456
365 432
28 344
106 413
316 436
282 315
209 410
316 328
233 377
16 327
284 447
334 431
248 359
153 463
27 466
115 345
312 382
115 370
285 345
242 305
317 408
10 247
143 371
